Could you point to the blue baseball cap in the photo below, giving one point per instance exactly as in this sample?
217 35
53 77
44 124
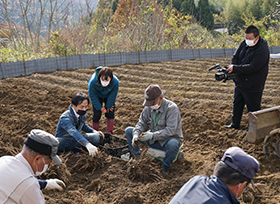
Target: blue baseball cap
242 162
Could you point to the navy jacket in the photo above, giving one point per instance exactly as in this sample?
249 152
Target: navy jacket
250 65
96 90
68 126
204 190
42 183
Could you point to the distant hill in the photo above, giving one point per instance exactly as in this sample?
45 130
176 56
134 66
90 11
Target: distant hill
82 2
78 9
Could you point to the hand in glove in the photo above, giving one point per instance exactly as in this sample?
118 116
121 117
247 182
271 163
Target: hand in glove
101 135
134 140
55 184
92 150
145 136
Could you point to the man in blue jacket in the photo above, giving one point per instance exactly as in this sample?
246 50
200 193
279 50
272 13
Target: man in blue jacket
72 122
231 176
250 66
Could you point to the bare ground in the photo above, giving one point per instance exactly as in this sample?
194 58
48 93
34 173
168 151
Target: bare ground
37 101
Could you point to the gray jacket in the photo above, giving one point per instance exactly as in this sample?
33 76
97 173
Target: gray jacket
164 122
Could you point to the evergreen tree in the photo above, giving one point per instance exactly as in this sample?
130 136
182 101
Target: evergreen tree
236 11
217 6
164 3
205 15
115 5
177 4
188 7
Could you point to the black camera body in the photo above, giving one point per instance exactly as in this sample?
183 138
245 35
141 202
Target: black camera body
222 73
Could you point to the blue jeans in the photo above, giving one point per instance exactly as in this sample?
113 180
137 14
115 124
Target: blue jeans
67 144
171 147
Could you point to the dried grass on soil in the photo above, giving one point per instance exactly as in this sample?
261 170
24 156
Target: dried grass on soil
38 100
91 163
143 169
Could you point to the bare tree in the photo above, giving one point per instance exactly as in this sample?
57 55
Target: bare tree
32 21
75 29
6 13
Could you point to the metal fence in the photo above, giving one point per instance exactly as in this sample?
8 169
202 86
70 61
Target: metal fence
24 68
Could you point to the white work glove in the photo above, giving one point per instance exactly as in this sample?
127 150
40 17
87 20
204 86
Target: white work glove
55 184
134 140
101 135
92 150
146 136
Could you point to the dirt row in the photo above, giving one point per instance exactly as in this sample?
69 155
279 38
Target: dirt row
37 101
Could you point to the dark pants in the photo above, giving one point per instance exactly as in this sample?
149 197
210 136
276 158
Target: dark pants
252 101
97 113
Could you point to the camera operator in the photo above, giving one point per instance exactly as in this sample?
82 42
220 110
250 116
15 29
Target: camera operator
250 66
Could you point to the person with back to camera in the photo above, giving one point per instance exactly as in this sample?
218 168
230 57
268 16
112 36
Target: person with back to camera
103 87
159 127
70 125
18 183
231 176
250 66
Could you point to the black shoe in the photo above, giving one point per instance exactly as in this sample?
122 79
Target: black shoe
180 155
231 126
165 169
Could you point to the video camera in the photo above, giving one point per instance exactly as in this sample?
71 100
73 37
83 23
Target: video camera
222 74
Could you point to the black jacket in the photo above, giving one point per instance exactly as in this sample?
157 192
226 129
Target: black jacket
250 65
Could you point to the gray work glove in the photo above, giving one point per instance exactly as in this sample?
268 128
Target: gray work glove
55 184
92 150
146 136
134 140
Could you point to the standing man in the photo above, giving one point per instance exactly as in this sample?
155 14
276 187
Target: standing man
17 173
70 125
231 176
162 117
250 66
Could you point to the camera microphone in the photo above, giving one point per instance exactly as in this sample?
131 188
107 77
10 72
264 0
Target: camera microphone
213 67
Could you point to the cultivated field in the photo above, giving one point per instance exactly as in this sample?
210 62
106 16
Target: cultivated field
37 101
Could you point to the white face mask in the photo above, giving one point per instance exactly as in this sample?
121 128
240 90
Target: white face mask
237 192
46 166
250 43
155 107
104 83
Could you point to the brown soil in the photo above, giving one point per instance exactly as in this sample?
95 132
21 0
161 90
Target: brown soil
37 101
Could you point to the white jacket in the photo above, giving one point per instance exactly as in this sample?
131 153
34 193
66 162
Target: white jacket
18 183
